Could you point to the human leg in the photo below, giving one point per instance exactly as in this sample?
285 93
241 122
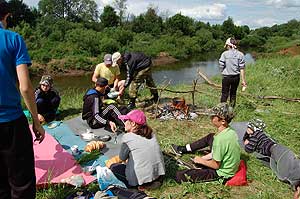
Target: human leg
196 175
225 88
234 83
17 154
150 83
119 171
199 144
133 89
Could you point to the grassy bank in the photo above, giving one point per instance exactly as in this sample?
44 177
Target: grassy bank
273 76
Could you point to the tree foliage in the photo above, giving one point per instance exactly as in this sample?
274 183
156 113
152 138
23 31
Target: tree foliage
109 18
21 13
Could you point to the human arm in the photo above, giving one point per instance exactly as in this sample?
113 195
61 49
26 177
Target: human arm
207 156
27 93
124 152
128 76
95 74
209 163
222 62
244 83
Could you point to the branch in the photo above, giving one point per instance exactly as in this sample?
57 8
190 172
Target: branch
208 80
279 97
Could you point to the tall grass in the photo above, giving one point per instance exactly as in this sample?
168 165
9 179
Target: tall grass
272 76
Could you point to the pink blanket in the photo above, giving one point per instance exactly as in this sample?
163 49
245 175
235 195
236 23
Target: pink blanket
53 163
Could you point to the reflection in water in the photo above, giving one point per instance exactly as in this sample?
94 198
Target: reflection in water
182 72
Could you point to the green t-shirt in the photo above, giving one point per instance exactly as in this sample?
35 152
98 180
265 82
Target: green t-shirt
226 149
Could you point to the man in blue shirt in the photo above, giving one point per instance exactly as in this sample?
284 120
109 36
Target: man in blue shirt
17 174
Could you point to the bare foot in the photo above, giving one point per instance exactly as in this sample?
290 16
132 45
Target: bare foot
41 118
297 193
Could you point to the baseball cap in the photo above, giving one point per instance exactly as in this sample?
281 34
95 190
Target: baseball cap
102 81
47 80
222 110
256 124
136 116
108 59
115 57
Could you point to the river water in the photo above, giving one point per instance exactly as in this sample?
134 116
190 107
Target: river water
183 72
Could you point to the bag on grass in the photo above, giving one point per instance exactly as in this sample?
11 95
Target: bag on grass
105 178
240 177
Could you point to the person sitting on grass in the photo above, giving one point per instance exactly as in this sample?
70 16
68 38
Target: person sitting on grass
47 99
95 112
145 163
283 161
223 160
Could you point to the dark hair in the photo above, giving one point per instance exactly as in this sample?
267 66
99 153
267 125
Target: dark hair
144 131
4 9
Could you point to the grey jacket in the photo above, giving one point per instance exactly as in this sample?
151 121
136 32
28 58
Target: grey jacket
231 62
145 160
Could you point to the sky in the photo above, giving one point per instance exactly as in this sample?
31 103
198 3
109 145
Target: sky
254 13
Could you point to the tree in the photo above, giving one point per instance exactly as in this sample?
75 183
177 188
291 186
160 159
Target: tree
149 22
121 6
228 27
181 23
71 10
109 18
20 12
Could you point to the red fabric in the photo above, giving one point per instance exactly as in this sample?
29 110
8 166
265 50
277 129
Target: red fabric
240 177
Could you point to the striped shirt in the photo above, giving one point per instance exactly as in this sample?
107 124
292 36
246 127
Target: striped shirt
258 142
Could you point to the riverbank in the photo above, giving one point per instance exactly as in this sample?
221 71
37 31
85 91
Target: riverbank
268 76
58 67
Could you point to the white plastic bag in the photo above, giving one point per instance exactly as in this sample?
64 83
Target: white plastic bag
105 178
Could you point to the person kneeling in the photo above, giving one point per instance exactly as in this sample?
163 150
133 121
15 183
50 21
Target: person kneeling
224 160
145 163
94 111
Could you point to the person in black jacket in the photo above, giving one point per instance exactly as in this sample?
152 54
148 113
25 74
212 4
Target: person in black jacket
138 67
47 99
94 111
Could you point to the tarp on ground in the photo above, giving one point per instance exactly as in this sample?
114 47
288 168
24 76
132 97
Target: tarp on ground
53 163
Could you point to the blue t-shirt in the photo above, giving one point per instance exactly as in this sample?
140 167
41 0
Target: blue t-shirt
13 52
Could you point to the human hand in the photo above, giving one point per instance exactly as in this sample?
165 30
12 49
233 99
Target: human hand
41 118
38 131
246 142
198 160
113 126
244 84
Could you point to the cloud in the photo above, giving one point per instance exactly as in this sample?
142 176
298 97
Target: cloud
284 3
215 11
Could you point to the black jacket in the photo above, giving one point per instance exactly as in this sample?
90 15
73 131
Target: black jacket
134 63
93 105
47 96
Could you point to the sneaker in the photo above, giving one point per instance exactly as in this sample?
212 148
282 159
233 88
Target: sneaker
176 149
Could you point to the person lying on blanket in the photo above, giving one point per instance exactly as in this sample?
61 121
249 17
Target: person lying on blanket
95 112
223 161
283 161
145 166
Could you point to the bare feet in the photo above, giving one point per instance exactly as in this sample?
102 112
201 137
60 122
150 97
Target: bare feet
41 118
297 193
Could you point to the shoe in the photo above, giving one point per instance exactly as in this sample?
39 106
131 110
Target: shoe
131 106
154 99
177 149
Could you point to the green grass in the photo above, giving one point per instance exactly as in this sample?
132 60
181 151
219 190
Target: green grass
272 76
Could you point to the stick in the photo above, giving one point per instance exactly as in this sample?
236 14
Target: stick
208 80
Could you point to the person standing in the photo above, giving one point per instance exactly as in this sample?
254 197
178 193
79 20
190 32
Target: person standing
138 69
111 73
17 174
232 65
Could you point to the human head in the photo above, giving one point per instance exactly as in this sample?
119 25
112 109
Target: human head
108 60
222 111
46 82
101 82
117 59
256 124
136 122
231 43
4 12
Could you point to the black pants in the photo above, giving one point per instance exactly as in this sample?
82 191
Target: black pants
110 113
198 175
123 193
17 174
230 84
48 108
119 171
